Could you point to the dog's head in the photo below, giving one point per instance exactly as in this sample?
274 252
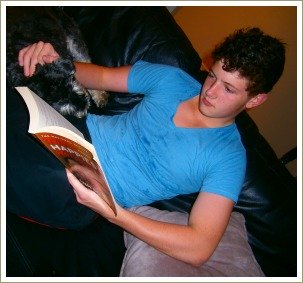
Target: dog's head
56 84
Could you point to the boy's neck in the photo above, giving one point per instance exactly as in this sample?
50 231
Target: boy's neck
188 115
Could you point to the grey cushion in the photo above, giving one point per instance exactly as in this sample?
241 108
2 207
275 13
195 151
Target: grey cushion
233 257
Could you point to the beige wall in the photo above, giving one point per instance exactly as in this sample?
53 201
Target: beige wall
206 26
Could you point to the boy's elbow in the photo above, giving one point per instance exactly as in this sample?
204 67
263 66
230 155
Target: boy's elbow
197 262
198 259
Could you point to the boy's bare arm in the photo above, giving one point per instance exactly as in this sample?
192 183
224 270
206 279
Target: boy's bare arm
93 76
89 75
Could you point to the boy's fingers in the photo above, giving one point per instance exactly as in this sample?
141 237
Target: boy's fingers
39 52
49 58
35 57
27 59
36 53
21 54
48 54
76 184
71 177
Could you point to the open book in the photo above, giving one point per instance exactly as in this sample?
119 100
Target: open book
67 143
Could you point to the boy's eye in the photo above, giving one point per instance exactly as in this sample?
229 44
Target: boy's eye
227 89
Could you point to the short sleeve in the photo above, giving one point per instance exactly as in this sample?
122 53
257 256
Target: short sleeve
226 176
153 79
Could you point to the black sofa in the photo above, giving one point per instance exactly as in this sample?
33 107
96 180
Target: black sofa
119 36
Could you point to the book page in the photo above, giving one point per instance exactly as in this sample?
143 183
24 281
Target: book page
42 114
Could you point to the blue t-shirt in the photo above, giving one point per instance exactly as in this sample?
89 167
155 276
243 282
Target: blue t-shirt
146 157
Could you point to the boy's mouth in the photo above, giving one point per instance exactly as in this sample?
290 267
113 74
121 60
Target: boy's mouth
206 102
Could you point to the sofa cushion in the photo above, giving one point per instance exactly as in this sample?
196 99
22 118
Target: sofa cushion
233 257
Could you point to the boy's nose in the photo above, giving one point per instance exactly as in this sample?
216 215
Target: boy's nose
211 93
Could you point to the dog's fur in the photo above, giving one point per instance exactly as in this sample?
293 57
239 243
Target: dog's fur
54 82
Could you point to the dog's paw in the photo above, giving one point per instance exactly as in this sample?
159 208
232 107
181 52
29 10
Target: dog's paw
100 97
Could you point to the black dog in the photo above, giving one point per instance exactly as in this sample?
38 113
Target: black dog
54 82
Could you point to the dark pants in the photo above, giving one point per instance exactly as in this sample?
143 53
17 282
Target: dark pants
36 250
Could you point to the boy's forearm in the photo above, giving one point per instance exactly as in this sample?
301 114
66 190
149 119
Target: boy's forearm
179 241
98 77
89 75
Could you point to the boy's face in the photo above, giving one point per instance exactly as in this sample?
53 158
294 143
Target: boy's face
223 95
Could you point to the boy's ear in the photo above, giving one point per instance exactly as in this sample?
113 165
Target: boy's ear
256 100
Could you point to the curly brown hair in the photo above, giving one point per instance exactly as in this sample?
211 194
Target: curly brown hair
256 56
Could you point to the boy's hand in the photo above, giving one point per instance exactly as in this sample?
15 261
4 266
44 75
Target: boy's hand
37 53
89 198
